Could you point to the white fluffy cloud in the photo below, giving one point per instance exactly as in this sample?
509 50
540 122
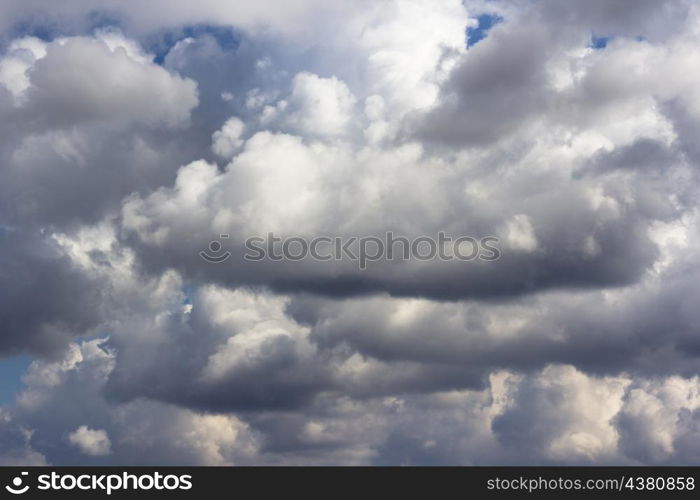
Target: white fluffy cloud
77 80
227 141
319 106
91 442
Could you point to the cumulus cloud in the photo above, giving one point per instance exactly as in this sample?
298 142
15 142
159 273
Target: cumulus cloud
91 442
120 89
46 299
319 106
52 86
557 415
227 140
568 132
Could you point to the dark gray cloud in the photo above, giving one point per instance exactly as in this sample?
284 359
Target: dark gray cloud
497 87
45 299
572 248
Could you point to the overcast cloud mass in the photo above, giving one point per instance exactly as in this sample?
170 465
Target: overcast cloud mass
134 133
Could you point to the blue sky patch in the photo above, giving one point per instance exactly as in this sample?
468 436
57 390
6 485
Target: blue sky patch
486 22
42 31
161 45
47 30
11 371
599 42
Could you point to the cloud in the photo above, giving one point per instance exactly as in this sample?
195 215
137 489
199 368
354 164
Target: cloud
16 444
227 140
555 415
319 106
657 422
291 17
91 442
562 415
121 89
280 185
140 432
125 152
46 299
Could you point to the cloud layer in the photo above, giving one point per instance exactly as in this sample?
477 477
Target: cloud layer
135 135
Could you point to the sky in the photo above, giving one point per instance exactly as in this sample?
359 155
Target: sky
133 134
